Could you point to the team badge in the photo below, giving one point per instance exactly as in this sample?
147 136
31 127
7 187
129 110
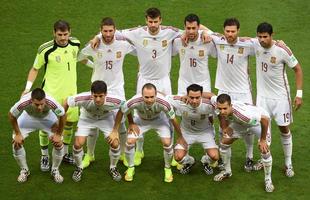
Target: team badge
240 50
145 42
221 47
273 59
58 59
99 54
57 111
118 54
65 52
164 43
185 113
182 51
203 116
201 53
257 53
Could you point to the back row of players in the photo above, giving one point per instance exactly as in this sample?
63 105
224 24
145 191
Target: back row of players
154 45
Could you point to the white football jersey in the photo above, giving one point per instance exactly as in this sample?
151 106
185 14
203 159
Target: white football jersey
90 110
246 115
194 120
232 73
153 51
108 62
25 104
149 112
271 75
194 60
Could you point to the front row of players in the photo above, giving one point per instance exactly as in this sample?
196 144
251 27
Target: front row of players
36 111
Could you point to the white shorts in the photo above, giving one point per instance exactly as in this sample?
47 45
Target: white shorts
162 85
28 124
279 109
161 125
183 84
242 97
206 139
87 126
117 92
239 131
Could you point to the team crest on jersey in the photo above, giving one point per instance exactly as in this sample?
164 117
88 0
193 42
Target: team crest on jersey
273 59
222 47
185 113
99 54
203 116
164 43
65 52
182 51
118 54
58 59
240 50
257 53
145 42
201 53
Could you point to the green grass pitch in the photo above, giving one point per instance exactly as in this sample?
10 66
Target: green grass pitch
25 25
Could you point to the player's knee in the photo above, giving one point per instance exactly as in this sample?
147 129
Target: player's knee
179 154
131 141
214 154
115 144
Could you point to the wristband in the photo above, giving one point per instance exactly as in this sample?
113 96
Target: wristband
28 85
299 93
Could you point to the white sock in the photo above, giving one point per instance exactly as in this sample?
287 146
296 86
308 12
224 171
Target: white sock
57 155
20 157
130 154
114 156
78 157
287 145
91 144
44 152
66 149
225 151
139 144
249 141
187 159
267 162
168 154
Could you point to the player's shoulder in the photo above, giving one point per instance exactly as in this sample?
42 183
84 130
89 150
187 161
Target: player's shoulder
162 100
216 35
113 99
135 100
74 41
282 47
84 96
46 46
51 102
169 28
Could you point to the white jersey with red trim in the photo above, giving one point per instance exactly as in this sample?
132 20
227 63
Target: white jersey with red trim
246 115
90 110
25 104
272 80
232 73
153 51
194 60
147 112
108 61
194 120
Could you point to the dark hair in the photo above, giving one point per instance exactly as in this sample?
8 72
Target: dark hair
61 25
152 13
149 86
223 98
194 88
98 87
107 21
38 94
232 22
264 28
192 18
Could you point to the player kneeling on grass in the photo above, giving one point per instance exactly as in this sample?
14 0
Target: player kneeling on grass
236 119
96 114
153 112
196 127
36 111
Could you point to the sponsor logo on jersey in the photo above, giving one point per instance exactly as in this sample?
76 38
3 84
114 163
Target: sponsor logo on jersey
145 42
273 59
99 54
222 47
201 53
182 51
57 111
58 59
240 50
118 54
164 43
